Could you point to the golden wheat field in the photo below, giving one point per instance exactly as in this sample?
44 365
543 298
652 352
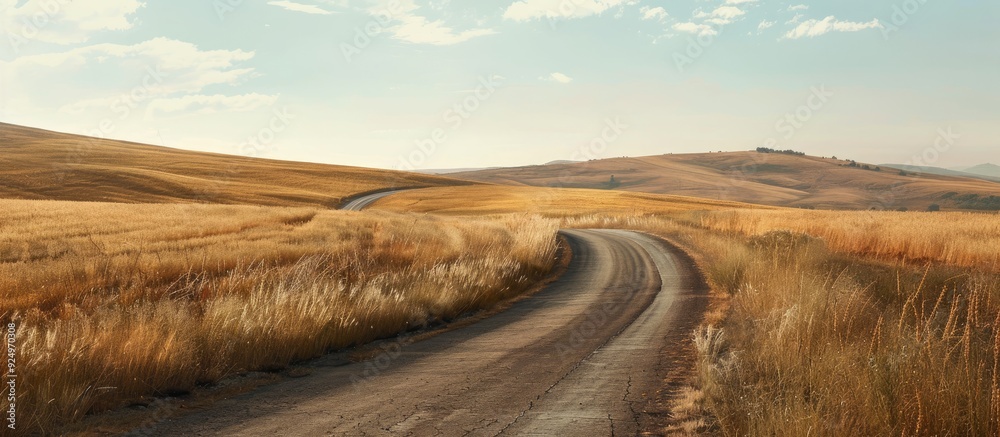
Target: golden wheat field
118 302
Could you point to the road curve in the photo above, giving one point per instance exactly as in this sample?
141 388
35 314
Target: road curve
366 200
584 356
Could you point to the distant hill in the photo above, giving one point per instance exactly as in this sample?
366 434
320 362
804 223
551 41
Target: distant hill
40 164
777 179
989 170
941 171
445 171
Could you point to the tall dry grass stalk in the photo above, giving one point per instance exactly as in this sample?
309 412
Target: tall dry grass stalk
853 337
118 302
953 238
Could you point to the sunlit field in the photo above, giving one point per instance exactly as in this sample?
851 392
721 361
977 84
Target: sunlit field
883 323
45 165
833 323
816 341
961 239
115 302
733 218
549 202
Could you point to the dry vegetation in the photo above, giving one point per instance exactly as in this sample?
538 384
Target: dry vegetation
959 239
889 335
761 178
839 323
549 202
118 302
43 165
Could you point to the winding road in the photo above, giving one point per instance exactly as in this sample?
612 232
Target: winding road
365 201
585 356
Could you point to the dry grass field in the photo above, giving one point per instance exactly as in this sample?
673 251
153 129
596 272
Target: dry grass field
549 202
38 164
118 302
829 323
958 239
835 323
759 178
818 340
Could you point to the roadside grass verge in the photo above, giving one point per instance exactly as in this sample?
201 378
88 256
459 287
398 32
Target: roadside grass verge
116 303
885 331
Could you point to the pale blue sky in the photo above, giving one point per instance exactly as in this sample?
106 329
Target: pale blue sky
534 80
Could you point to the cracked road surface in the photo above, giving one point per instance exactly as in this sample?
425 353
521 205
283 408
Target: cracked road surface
583 357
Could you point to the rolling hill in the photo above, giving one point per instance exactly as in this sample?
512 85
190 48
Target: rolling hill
763 178
39 164
988 170
941 171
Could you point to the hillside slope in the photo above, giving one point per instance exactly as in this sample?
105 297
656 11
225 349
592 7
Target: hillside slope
988 170
39 164
940 171
761 178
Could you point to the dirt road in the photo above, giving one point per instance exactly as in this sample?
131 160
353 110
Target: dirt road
365 201
582 357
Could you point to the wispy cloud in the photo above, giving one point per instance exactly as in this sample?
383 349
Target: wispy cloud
813 28
726 14
719 16
657 13
299 7
413 27
557 77
164 68
420 30
695 28
526 10
65 22
209 104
